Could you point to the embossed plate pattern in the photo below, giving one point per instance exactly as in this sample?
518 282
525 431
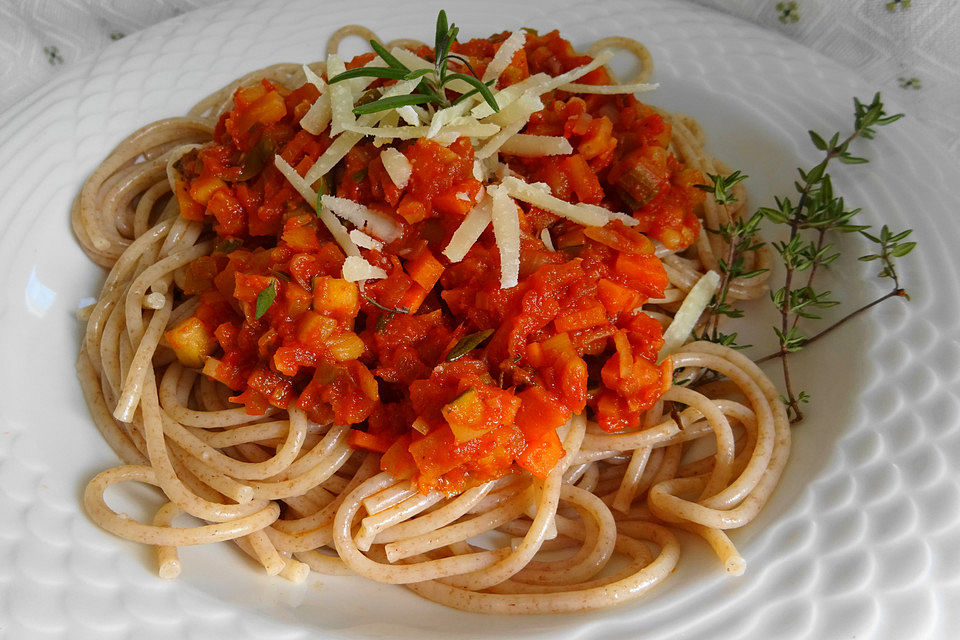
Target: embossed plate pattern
862 537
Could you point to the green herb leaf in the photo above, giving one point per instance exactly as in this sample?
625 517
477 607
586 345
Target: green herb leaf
478 85
818 140
228 246
467 344
392 103
265 298
388 57
370 72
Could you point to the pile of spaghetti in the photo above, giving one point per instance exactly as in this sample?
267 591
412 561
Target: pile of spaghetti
439 340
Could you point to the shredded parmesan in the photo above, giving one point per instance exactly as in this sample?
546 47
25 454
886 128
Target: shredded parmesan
520 109
363 218
469 231
530 146
334 153
316 119
398 167
356 268
314 79
698 298
505 96
363 240
446 116
473 130
504 56
493 145
341 98
336 229
506 229
538 195
295 179
564 78
409 115
609 89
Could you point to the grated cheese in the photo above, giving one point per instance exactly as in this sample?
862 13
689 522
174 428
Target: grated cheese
538 194
504 56
363 218
520 109
341 98
363 240
473 130
687 316
506 229
505 96
316 119
609 89
334 154
526 145
335 227
469 231
356 268
493 145
398 167
409 115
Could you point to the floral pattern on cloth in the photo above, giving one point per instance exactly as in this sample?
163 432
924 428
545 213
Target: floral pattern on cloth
909 49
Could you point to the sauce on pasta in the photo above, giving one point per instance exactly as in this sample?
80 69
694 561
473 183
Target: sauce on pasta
353 344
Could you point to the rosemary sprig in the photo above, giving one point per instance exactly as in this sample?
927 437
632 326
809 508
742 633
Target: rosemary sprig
432 88
816 213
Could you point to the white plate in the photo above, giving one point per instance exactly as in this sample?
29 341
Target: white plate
861 538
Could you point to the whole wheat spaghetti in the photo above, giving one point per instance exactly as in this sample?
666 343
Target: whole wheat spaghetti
516 507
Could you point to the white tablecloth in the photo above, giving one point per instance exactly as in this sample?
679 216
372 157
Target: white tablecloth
909 48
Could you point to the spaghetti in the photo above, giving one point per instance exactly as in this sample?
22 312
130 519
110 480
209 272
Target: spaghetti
291 482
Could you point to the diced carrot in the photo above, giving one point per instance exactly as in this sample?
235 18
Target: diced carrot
542 456
539 413
374 442
615 297
425 270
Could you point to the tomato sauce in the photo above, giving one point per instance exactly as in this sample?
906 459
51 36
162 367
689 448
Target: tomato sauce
452 379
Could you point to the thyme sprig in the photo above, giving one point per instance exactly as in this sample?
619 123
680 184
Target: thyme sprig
816 213
432 86
740 238
813 219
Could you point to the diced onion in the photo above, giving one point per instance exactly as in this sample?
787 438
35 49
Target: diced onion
547 240
522 144
397 166
698 299
469 231
506 229
356 268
